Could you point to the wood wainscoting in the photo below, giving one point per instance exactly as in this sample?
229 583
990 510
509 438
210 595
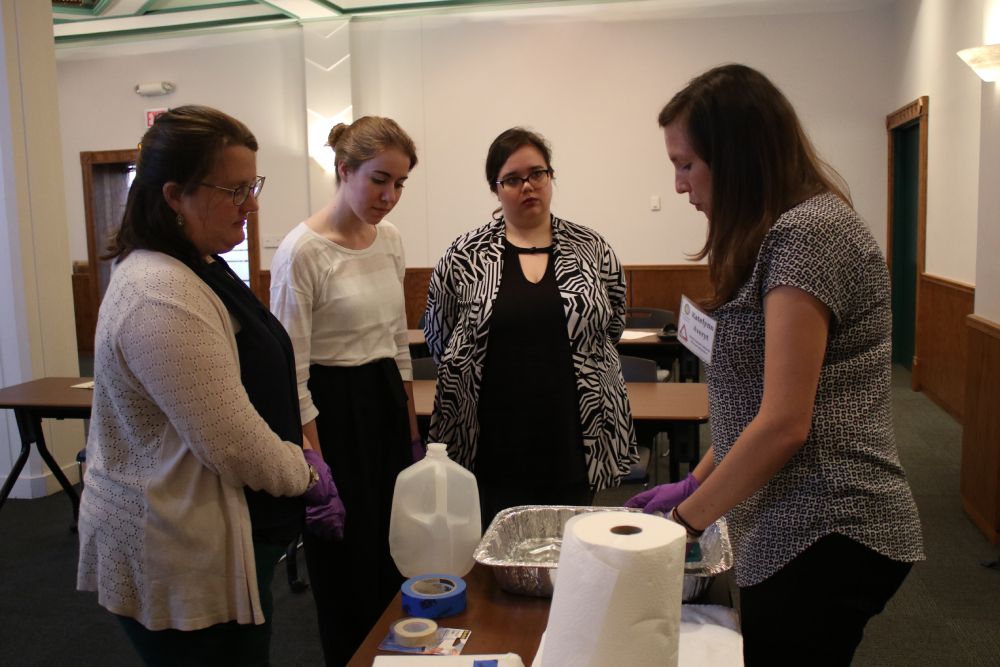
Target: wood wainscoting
84 308
980 478
940 358
662 286
648 286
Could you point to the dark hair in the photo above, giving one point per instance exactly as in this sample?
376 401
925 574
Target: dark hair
506 144
182 146
761 161
365 138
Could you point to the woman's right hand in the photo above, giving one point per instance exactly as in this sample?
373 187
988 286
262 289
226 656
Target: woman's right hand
325 511
664 497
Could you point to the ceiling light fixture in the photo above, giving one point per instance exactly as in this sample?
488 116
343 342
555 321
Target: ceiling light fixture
155 88
984 61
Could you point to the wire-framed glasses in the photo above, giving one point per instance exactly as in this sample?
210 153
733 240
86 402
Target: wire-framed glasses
242 193
538 178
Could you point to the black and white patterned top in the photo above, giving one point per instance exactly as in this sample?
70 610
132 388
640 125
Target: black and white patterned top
463 290
846 478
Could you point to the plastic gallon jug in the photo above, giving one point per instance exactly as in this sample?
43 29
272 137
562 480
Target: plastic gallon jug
435 524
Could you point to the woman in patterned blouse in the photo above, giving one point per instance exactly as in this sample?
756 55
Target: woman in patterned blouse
803 461
522 317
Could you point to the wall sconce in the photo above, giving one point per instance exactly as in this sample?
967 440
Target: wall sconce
154 88
984 61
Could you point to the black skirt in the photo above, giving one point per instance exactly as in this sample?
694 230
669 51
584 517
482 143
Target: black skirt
364 432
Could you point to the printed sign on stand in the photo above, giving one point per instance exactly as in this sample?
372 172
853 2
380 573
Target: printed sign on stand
696 330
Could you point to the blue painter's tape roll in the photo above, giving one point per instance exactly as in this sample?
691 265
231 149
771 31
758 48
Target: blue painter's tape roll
433 595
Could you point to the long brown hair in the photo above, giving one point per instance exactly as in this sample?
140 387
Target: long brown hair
761 161
182 146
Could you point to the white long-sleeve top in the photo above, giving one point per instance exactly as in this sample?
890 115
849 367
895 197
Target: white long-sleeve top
165 534
341 307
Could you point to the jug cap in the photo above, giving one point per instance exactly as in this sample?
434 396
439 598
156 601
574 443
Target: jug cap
437 449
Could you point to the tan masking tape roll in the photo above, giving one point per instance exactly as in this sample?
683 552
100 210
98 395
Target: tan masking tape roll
415 631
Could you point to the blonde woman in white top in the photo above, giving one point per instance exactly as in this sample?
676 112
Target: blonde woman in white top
176 448
337 286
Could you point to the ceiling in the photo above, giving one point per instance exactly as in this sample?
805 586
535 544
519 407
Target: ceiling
86 20
96 19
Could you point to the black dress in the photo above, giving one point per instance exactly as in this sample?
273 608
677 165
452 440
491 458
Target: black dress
530 449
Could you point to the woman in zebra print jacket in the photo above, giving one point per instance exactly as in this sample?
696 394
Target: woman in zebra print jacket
522 318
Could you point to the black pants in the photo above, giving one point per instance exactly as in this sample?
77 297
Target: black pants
221 644
364 432
814 610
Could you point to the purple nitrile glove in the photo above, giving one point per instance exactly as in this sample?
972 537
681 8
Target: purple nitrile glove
327 520
324 510
418 449
664 497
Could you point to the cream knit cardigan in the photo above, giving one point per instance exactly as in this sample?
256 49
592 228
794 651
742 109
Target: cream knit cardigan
165 535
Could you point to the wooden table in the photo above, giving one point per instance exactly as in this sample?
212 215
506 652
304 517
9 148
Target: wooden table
500 622
46 398
672 407
664 351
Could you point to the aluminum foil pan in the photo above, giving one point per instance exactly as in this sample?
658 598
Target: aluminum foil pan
522 548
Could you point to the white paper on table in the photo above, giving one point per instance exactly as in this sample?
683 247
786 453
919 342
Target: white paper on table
503 660
83 385
709 637
636 334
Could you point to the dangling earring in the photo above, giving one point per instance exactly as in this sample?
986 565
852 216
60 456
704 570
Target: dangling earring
180 219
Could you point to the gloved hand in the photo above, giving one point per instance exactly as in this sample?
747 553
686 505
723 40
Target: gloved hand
327 520
664 497
418 448
324 510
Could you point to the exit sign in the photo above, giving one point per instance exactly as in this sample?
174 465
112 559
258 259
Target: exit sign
151 115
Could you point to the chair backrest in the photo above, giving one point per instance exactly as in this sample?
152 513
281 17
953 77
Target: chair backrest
648 318
424 368
637 369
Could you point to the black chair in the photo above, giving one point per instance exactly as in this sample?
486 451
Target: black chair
424 369
292 566
652 318
648 318
637 369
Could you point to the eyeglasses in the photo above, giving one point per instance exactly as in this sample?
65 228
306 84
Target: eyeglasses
537 178
242 193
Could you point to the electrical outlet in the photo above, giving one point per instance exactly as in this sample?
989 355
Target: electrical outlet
654 203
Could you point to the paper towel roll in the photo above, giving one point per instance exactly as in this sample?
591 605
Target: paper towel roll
617 598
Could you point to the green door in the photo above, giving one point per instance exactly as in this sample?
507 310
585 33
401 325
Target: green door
905 160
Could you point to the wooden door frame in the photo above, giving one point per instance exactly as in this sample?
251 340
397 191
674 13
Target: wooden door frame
914 112
130 156
87 161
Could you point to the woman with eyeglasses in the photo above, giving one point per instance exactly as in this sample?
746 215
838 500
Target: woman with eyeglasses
196 478
523 315
803 461
337 285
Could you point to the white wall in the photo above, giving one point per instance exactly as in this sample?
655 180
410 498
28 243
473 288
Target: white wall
592 81
930 32
255 75
36 302
988 245
593 85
